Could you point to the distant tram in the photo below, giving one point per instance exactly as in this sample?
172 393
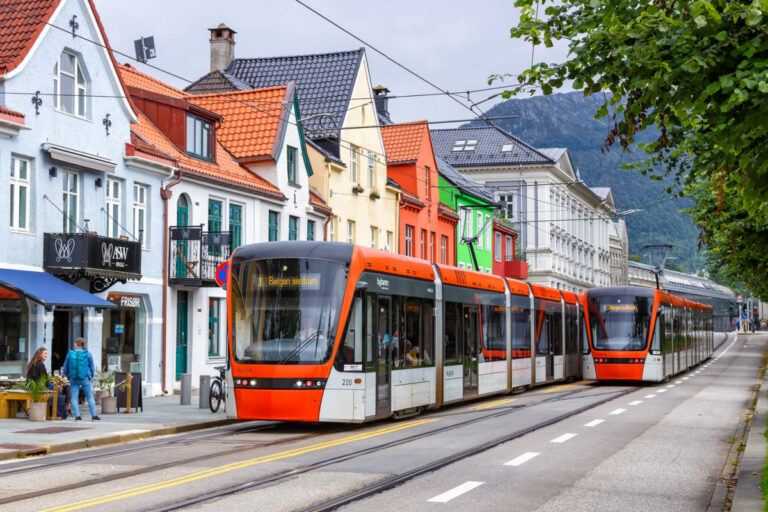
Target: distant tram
644 334
323 331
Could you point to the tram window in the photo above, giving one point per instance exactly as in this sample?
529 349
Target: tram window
555 328
370 334
584 338
470 326
542 339
398 329
668 330
571 330
494 332
352 350
658 333
452 328
384 332
411 349
521 335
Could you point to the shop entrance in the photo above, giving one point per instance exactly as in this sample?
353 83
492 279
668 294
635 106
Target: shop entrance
60 343
182 303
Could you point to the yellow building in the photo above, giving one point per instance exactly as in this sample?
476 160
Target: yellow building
339 119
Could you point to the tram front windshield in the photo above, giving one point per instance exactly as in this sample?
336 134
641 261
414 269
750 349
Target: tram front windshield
286 311
620 323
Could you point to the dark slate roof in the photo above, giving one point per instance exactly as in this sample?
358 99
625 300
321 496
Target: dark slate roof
325 152
464 184
323 83
217 81
490 141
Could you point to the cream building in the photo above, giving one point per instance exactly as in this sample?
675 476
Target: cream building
619 247
339 119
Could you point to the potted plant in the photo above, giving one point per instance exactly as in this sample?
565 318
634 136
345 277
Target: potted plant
375 194
105 380
38 393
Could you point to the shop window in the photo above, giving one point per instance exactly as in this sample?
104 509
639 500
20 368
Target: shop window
69 85
214 327
113 208
19 194
14 320
123 334
291 153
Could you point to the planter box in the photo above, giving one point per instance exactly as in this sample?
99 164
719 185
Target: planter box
37 411
108 405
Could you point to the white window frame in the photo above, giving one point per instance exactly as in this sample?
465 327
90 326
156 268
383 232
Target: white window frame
497 247
426 182
114 208
408 240
80 90
332 229
480 242
17 185
353 152
351 231
508 255
371 171
443 249
487 234
70 226
374 237
140 194
388 246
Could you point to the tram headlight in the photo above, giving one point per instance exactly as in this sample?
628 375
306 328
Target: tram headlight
253 382
299 384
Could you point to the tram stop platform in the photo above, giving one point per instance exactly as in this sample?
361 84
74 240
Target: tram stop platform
162 415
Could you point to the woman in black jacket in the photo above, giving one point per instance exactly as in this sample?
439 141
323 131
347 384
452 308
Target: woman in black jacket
36 368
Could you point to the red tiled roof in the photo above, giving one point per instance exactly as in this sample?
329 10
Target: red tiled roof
139 145
402 142
21 22
254 120
11 115
225 169
132 77
318 203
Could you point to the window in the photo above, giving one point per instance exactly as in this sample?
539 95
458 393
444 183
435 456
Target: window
423 243
371 170
19 194
426 182
444 250
70 187
388 246
506 148
477 230
140 213
332 229
350 231
509 249
69 85
291 164
465 145
488 232
310 230
353 164
432 246
113 208
214 326
293 228
374 237
409 240
198 138
497 248
236 225
274 226
214 224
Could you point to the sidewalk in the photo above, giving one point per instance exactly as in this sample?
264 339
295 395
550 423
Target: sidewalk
161 416
747 496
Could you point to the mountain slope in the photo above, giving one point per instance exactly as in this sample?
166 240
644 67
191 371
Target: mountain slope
567 120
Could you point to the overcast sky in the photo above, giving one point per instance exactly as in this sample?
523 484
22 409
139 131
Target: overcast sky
455 44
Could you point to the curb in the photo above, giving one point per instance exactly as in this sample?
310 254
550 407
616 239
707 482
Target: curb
109 439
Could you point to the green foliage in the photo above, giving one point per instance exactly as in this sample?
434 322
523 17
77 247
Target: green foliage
636 258
104 380
697 71
37 389
671 265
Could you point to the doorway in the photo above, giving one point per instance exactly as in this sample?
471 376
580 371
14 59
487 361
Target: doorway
471 338
60 341
182 317
386 348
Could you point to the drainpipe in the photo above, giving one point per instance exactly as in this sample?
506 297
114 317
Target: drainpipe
166 194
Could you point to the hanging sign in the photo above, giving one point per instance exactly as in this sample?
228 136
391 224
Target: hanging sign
222 273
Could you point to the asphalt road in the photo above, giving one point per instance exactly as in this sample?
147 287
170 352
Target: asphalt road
659 447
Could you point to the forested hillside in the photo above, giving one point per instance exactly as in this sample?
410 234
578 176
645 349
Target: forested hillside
567 120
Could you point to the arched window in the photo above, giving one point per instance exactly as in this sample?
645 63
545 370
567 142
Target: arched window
69 85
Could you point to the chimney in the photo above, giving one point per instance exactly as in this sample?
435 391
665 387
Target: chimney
382 101
222 47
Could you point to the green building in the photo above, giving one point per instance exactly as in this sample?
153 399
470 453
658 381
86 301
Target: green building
475 207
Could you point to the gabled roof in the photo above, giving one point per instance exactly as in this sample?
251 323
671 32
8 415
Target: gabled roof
552 153
601 192
488 149
254 120
464 184
21 22
402 142
132 77
324 83
216 81
318 203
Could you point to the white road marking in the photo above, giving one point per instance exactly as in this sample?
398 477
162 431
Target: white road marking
616 412
671 386
455 492
661 390
686 378
563 438
593 423
678 382
636 402
649 396
522 459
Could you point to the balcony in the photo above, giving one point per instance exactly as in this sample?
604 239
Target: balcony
195 254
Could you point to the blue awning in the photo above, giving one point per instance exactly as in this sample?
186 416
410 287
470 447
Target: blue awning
48 290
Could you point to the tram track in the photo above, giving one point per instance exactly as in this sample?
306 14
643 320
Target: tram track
398 479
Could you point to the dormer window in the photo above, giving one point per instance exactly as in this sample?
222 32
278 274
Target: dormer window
506 148
465 145
198 137
69 85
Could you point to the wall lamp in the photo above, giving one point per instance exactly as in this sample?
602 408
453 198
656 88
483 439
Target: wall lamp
52 172
98 182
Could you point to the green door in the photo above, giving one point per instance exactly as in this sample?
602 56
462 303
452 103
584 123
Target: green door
182 218
182 315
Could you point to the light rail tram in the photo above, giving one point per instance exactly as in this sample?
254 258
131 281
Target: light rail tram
324 331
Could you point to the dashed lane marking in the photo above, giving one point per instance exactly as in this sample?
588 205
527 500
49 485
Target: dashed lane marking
593 423
670 386
521 459
455 492
661 390
566 386
678 382
649 396
563 438
686 378
493 404
616 412
636 402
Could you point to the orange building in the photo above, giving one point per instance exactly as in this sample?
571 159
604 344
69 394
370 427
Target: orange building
427 228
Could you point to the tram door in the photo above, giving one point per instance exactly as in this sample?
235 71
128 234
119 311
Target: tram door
471 340
384 354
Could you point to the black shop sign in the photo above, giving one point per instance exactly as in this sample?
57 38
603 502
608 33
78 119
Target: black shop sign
92 254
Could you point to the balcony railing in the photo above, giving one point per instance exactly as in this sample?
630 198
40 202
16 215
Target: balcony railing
195 254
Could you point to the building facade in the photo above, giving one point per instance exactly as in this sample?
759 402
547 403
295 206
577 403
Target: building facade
619 243
563 225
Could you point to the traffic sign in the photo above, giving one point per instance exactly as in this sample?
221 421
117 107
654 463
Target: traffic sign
744 316
222 273
739 298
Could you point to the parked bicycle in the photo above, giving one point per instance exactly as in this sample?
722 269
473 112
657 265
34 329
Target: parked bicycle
218 393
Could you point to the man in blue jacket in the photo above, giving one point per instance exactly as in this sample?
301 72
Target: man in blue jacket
78 367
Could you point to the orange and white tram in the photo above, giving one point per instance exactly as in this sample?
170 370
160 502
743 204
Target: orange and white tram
638 333
323 331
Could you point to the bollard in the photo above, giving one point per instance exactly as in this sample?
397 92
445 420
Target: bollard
205 390
55 405
128 394
186 388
